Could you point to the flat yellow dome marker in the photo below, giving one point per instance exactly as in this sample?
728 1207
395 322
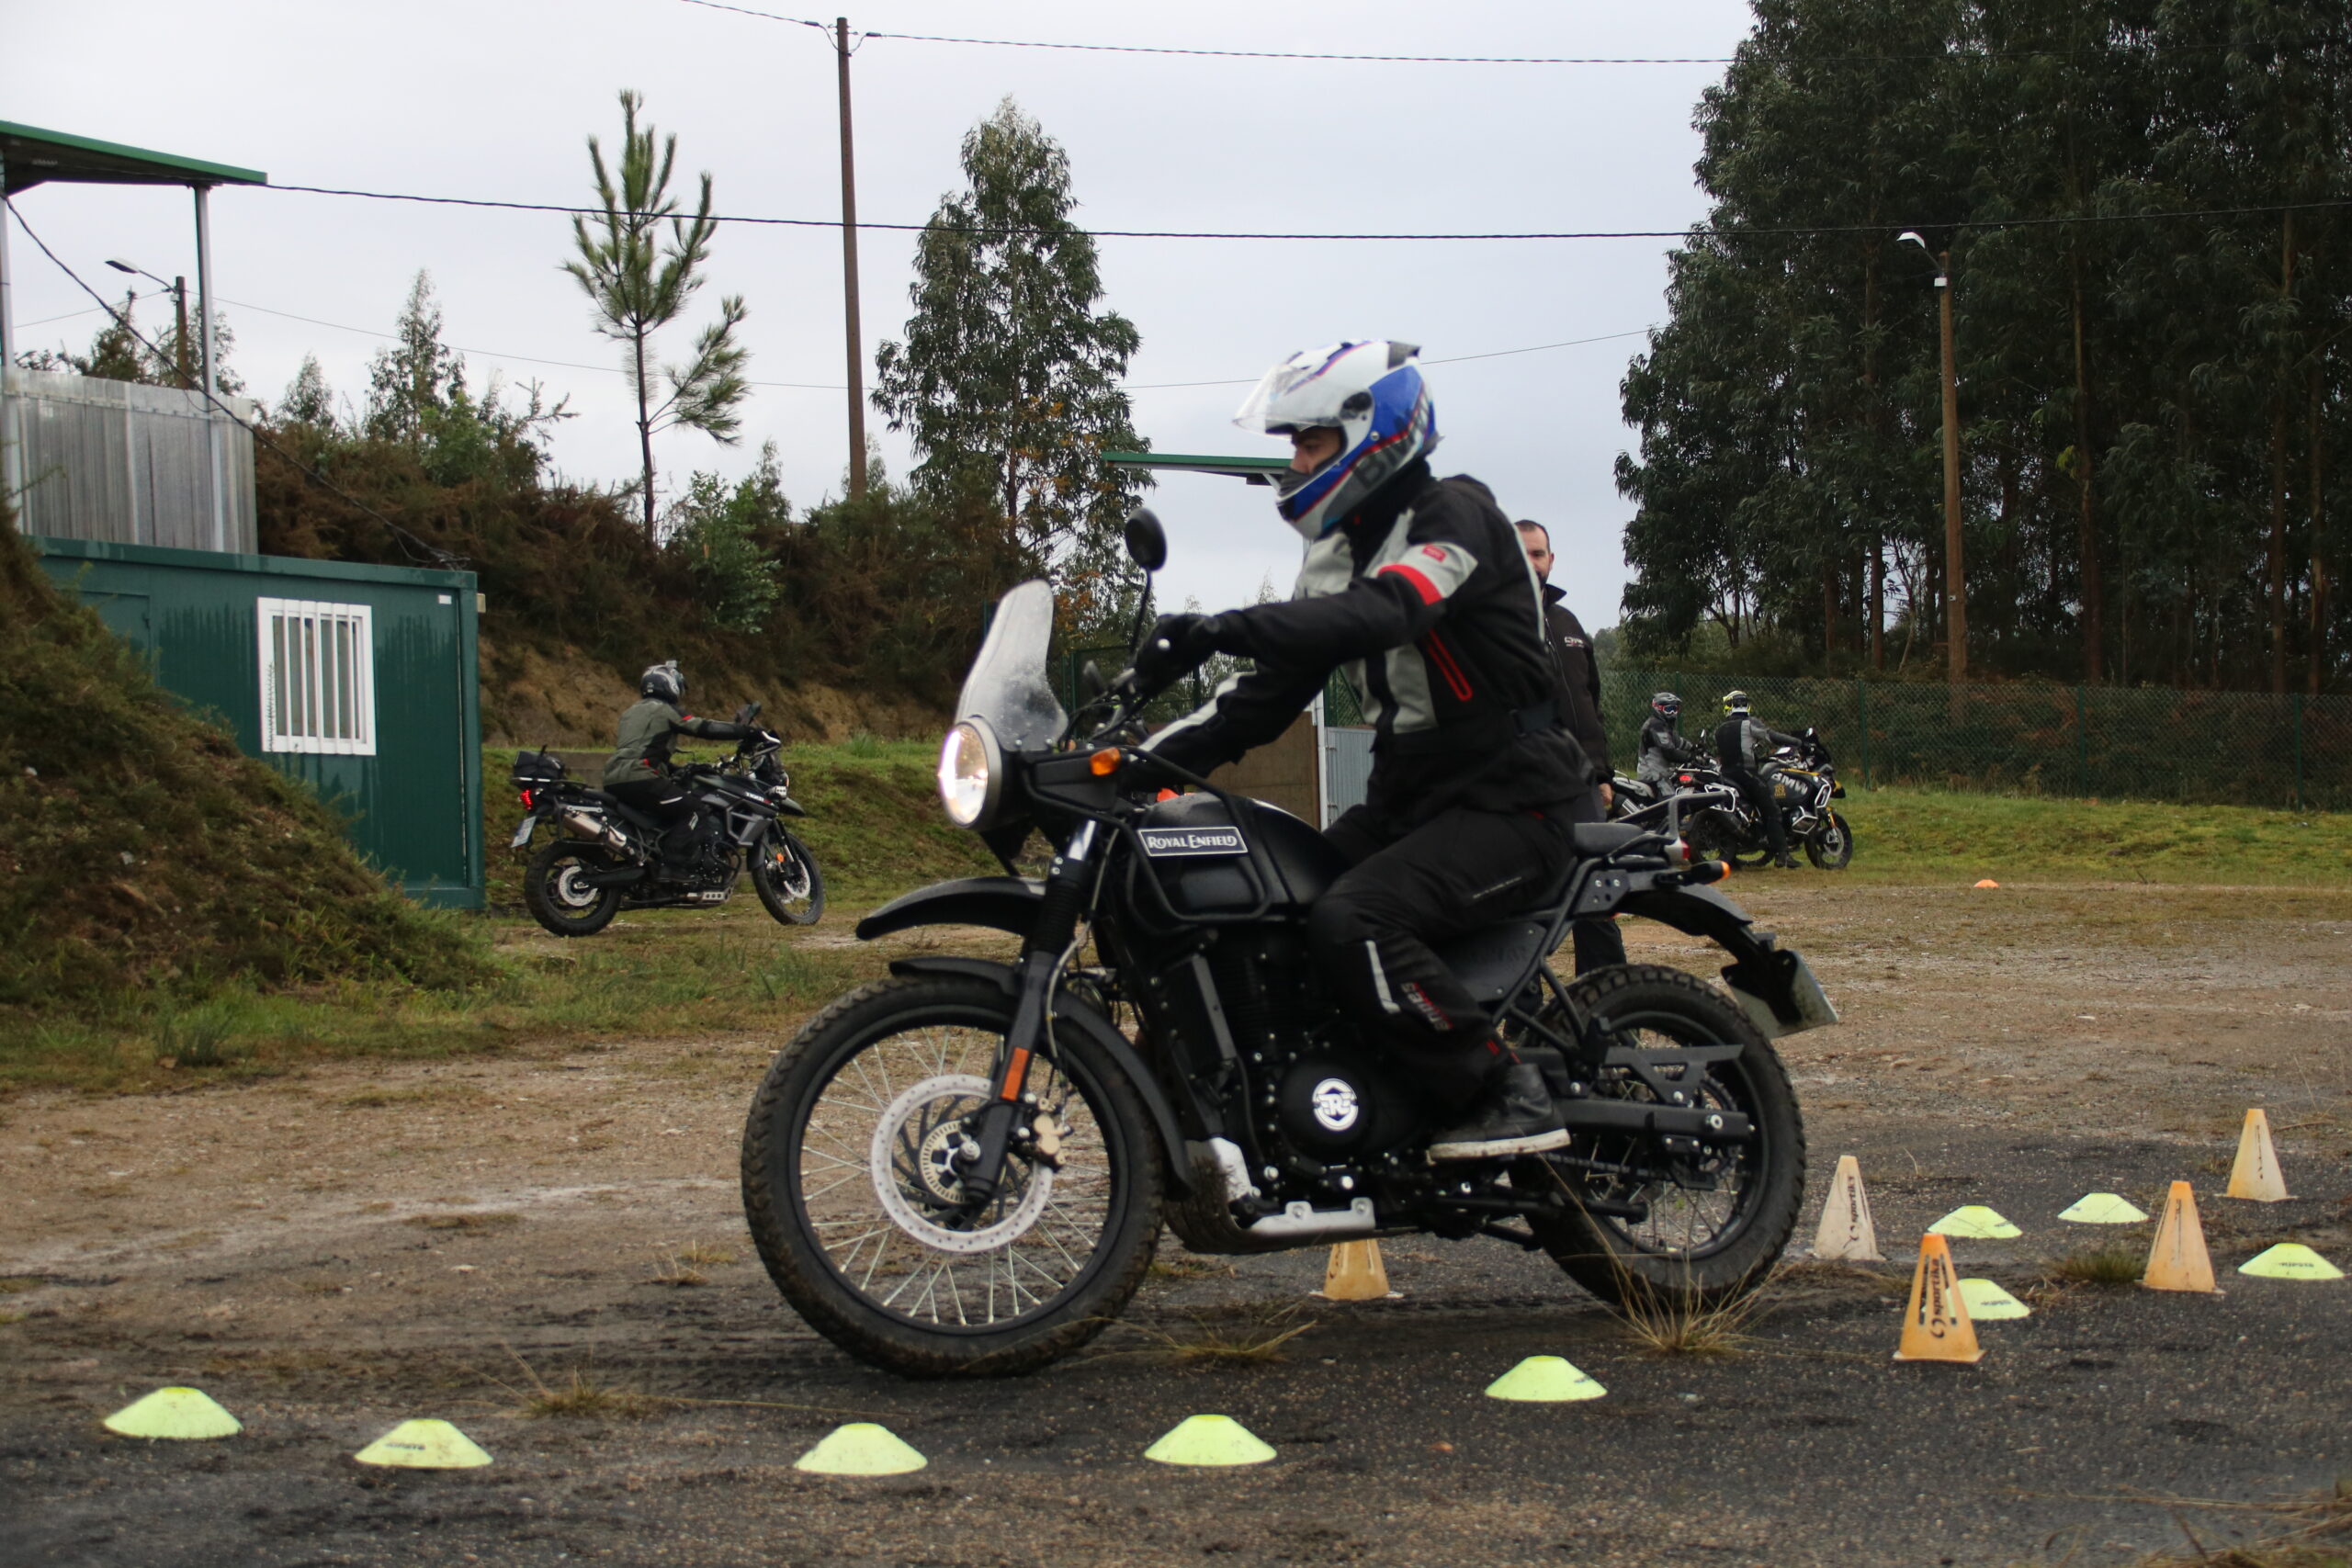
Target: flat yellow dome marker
183 1415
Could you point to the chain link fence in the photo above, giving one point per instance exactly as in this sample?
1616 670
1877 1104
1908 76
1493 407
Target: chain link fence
2127 743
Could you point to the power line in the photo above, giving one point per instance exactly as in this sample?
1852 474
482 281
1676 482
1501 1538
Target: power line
1696 230
1202 53
409 543
493 353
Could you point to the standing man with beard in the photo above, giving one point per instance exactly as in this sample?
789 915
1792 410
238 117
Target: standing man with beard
1598 942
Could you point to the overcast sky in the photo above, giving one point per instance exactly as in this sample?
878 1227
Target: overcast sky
493 99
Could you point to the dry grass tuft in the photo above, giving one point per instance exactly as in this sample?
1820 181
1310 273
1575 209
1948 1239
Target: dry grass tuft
19 1285
1676 1324
2105 1265
679 1275
1190 1268
1255 1340
705 1255
465 1221
584 1398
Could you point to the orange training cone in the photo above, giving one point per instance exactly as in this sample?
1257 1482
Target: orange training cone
2256 1177
1355 1273
1936 1325
2178 1260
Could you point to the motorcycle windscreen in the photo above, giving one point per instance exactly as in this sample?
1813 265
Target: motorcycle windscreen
1008 685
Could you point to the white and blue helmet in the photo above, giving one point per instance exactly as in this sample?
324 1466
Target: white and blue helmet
1372 394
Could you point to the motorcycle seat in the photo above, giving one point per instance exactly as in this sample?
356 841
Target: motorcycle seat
1594 839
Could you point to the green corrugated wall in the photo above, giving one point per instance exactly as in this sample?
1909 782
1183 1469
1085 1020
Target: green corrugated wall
414 808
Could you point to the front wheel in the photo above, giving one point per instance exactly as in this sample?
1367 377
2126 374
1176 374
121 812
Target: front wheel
1647 1227
1830 846
785 876
557 891
851 1184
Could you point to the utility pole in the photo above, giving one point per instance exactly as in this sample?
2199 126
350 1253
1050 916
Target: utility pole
849 279
1955 563
179 333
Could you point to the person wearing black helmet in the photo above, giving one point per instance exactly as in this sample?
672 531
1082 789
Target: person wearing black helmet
637 775
1663 750
1741 746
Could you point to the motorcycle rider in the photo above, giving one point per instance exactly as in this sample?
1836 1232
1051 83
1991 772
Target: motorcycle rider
637 775
1663 747
1742 746
1598 944
1419 589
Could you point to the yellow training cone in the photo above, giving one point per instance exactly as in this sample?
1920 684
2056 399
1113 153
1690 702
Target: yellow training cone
2178 1260
861 1448
423 1445
2290 1260
1936 1325
1845 1234
1987 1302
184 1413
1355 1273
1210 1440
2256 1175
1975 1221
1545 1380
2103 1209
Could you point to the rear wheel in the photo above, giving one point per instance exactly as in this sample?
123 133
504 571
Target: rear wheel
557 891
1830 846
785 876
1683 1230
850 1183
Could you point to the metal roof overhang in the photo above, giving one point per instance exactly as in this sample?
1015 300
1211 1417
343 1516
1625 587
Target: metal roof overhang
33 156
1255 470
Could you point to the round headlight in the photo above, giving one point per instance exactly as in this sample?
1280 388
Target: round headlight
970 775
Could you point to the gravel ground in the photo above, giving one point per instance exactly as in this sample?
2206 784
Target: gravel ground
332 1250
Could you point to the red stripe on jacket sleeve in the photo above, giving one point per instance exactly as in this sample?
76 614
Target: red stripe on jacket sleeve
1421 585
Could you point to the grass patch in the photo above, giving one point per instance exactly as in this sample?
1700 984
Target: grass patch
705 1255
2107 1266
582 1397
1669 1324
1914 835
1256 1340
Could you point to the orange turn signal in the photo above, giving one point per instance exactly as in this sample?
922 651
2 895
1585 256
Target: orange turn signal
1103 764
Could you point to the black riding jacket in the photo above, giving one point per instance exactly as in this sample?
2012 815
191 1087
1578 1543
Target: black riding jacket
1742 744
1425 599
1579 694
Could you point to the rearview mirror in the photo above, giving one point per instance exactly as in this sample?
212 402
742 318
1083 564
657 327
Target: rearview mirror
1147 540
747 713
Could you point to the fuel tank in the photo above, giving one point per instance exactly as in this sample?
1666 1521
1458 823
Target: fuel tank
1208 864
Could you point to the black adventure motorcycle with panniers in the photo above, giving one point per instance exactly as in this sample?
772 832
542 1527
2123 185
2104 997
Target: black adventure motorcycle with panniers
606 856
964 1168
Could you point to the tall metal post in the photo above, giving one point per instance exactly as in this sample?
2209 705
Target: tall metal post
210 386
12 478
1955 564
179 337
855 334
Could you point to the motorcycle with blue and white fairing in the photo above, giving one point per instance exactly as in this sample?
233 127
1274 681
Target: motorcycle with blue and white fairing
964 1168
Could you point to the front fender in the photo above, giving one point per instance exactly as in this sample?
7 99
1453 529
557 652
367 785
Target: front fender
1771 984
1001 903
1074 1011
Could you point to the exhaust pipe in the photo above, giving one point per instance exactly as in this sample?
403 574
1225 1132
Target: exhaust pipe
582 825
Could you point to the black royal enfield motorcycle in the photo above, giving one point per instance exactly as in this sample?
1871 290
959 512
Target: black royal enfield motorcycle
964 1168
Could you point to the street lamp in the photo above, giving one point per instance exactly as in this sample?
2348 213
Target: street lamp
178 286
1955 565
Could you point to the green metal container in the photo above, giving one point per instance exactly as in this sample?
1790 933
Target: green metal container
360 679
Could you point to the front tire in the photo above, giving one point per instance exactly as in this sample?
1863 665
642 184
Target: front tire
1715 1233
556 891
849 1186
1830 846
785 876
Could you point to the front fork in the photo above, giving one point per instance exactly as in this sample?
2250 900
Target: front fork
1042 955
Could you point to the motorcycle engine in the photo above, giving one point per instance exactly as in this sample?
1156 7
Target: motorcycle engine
1331 1108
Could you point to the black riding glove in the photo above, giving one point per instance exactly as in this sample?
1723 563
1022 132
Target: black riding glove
1174 649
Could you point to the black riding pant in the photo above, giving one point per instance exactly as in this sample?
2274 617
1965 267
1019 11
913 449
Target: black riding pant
1758 794
1372 932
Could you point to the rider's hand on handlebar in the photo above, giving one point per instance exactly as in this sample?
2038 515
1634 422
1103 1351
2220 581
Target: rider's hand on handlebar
1174 647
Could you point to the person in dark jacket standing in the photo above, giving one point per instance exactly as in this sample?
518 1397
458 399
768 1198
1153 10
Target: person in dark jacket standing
1597 940
1416 587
